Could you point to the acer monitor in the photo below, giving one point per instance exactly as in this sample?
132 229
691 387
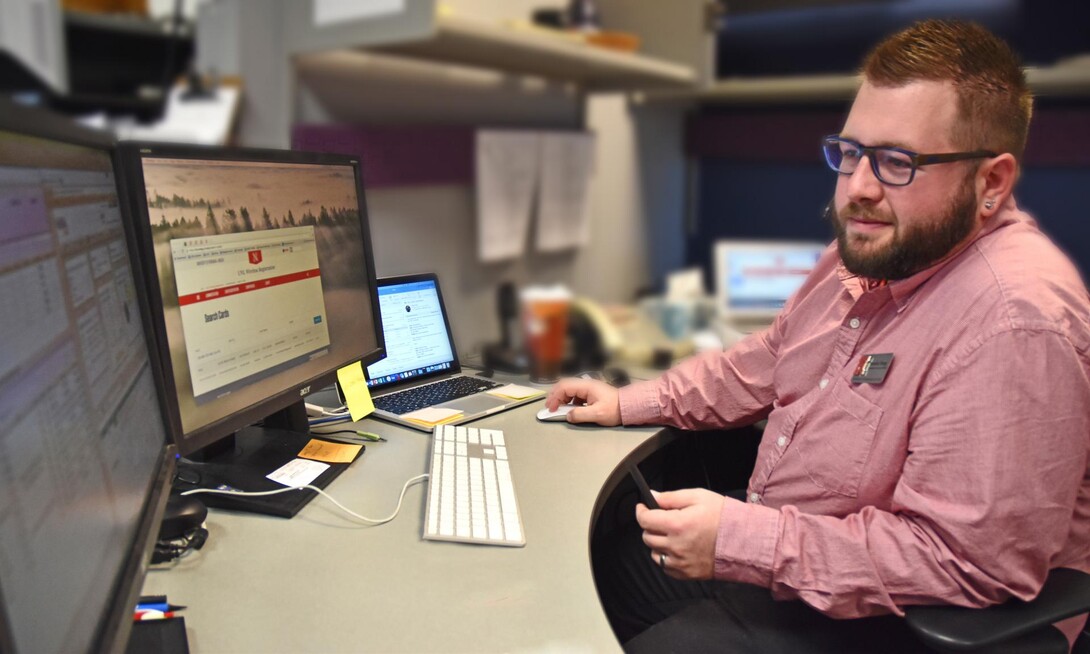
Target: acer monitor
261 286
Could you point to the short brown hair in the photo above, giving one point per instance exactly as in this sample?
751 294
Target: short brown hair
994 102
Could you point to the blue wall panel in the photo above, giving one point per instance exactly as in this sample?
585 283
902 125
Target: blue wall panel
784 201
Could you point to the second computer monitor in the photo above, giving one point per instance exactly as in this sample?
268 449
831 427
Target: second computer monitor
753 279
262 277
84 462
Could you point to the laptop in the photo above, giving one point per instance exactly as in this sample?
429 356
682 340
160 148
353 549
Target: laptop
413 384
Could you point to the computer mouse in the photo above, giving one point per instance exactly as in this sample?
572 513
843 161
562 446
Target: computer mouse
560 414
182 514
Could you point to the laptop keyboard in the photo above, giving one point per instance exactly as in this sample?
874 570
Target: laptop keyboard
427 395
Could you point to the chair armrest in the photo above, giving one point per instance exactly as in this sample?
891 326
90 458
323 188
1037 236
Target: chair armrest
1066 593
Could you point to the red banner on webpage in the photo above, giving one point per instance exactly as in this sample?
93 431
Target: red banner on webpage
235 289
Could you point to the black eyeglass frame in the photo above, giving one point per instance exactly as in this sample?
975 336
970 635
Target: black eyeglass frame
916 158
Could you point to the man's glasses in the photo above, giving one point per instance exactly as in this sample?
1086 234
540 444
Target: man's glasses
892 166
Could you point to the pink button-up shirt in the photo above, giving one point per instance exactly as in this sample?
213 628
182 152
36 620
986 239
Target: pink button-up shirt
961 477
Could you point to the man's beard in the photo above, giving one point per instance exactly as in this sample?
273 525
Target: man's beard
912 248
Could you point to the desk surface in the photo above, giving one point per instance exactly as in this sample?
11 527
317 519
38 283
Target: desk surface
324 582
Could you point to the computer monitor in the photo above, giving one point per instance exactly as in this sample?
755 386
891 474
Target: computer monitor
262 285
85 466
753 279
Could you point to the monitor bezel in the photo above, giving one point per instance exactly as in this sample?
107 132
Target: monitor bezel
131 155
725 247
115 625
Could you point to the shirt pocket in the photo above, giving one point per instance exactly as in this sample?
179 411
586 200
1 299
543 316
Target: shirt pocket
834 439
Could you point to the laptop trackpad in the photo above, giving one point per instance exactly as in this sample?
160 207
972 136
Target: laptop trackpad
474 404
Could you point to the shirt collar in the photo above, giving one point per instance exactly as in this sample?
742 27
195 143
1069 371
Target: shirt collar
903 290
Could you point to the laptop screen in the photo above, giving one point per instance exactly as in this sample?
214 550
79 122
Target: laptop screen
415 327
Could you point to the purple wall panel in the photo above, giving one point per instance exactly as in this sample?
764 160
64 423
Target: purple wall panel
397 156
1059 137
772 136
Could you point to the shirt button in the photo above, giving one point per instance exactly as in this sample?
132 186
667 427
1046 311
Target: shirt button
823 383
854 323
781 441
754 498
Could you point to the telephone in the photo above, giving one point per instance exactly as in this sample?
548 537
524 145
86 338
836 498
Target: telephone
619 335
593 338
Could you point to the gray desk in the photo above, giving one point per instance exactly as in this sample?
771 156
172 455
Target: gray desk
322 582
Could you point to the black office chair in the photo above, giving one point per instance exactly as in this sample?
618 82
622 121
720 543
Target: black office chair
1014 627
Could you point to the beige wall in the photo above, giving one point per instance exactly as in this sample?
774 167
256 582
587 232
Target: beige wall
636 193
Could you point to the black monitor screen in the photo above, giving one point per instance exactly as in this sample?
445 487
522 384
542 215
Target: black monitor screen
82 438
263 267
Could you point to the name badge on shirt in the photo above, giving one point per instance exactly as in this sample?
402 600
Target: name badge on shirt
872 368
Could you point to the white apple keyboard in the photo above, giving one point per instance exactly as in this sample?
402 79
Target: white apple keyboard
471 498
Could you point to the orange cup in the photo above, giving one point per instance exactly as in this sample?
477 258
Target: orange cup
545 330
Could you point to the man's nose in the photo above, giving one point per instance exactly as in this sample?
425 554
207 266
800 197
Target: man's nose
863 184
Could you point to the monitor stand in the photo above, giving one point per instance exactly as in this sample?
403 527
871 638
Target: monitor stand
242 461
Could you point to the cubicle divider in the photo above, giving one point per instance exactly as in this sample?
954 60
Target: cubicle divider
760 174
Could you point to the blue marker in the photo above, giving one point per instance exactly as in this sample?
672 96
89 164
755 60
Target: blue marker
159 606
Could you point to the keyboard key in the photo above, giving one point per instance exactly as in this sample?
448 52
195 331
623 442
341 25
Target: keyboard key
495 435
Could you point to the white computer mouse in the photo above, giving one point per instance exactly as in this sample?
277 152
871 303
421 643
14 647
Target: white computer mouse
560 414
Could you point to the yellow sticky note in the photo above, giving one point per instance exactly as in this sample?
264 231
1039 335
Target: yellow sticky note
356 394
516 392
431 416
330 452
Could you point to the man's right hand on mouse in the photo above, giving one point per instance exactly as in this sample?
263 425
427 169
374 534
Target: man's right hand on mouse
598 401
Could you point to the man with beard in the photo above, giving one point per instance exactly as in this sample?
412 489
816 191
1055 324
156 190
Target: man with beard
927 392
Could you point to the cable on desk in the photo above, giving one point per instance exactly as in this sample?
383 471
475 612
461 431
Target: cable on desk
321 492
329 419
356 436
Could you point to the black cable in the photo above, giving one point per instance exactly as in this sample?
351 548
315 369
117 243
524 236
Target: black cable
169 550
172 49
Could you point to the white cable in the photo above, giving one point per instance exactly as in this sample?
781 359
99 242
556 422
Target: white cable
321 492
316 411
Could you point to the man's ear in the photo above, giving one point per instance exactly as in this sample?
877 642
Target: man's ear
994 183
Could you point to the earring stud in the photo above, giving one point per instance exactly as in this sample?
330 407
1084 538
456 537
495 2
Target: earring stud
989 204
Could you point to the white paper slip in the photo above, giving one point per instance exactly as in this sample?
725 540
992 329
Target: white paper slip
432 415
567 163
516 392
297 472
507 171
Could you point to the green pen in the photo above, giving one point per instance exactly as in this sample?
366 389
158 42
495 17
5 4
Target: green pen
374 438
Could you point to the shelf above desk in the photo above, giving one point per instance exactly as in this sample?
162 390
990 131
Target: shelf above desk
483 44
423 32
